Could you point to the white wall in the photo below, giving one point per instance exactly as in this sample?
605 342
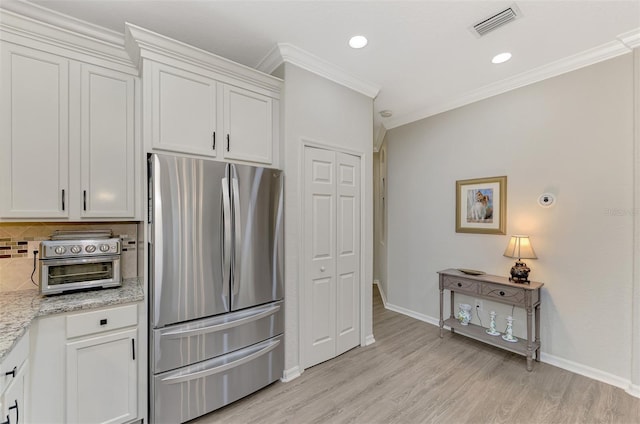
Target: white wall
318 110
571 135
380 218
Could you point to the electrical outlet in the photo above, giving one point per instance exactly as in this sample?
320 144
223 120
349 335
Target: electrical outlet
478 304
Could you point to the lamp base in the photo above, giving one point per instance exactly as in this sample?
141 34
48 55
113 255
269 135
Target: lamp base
520 273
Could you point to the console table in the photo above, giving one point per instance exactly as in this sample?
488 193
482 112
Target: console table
498 289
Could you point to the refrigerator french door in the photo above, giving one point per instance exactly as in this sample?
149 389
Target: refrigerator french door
216 272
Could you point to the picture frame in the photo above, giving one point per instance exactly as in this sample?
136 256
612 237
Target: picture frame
481 205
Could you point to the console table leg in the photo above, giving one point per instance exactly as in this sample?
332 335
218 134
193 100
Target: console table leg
441 317
452 311
529 339
537 312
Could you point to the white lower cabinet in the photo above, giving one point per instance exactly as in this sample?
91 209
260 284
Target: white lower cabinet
84 367
13 400
102 379
14 375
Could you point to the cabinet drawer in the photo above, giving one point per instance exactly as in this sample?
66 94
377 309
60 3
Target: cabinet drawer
16 357
510 295
98 321
460 285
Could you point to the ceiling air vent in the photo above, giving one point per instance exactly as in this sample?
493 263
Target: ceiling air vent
496 21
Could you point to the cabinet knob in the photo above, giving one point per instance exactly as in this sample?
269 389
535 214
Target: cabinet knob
322 269
103 321
459 284
501 293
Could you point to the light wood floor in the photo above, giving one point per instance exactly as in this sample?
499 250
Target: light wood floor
410 375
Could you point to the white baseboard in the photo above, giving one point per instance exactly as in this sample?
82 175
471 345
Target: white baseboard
586 371
291 374
633 390
413 314
565 364
369 340
383 295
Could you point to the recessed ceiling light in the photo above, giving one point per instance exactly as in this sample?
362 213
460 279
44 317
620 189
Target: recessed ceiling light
501 58
358 41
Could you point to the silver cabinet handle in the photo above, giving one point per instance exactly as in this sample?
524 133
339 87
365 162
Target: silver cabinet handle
219 327
221 368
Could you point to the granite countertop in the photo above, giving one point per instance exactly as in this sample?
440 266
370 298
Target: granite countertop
19 308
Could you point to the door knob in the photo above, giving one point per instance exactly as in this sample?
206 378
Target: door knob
322 269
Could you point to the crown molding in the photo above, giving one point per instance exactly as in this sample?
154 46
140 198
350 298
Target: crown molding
631 39
43 29
559 67
285 52
59 20
144 44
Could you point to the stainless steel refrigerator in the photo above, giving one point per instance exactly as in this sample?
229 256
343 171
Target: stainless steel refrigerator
216 312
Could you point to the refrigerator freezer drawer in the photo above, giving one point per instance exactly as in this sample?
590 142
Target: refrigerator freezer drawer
189 392
184 344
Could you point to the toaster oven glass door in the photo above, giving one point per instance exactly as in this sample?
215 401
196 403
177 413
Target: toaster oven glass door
65 274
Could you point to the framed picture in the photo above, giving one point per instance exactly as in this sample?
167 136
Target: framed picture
481 205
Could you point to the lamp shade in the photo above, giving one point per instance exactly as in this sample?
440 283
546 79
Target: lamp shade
520 248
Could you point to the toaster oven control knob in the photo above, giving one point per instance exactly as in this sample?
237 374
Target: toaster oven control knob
90 248
60 250
76 249
104 247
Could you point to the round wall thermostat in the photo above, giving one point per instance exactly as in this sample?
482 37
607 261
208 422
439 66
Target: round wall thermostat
546 200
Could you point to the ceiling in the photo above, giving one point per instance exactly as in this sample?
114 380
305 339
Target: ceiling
421 54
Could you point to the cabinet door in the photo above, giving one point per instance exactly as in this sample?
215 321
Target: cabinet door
102 379
34 133
183 109
247 125
13 404
107 143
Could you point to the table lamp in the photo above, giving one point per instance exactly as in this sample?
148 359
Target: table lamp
519 247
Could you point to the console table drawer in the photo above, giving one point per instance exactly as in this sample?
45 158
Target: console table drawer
460 285
510 295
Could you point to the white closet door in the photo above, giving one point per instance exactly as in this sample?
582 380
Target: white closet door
320 252
332 219
348 252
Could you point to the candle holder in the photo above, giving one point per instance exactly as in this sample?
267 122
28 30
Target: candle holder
492 325
508 334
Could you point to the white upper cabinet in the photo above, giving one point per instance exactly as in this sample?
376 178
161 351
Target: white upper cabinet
201 104
107 143
67 143
183 110
34 135
248 121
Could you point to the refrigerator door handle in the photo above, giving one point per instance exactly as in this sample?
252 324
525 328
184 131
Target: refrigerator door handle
237 231
216 370
226 248
224 326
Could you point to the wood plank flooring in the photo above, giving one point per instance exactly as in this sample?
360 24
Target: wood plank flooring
410 375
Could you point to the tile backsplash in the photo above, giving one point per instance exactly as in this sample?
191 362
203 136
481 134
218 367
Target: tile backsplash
19 240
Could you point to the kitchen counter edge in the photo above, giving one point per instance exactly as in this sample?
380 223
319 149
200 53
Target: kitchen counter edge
19 308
